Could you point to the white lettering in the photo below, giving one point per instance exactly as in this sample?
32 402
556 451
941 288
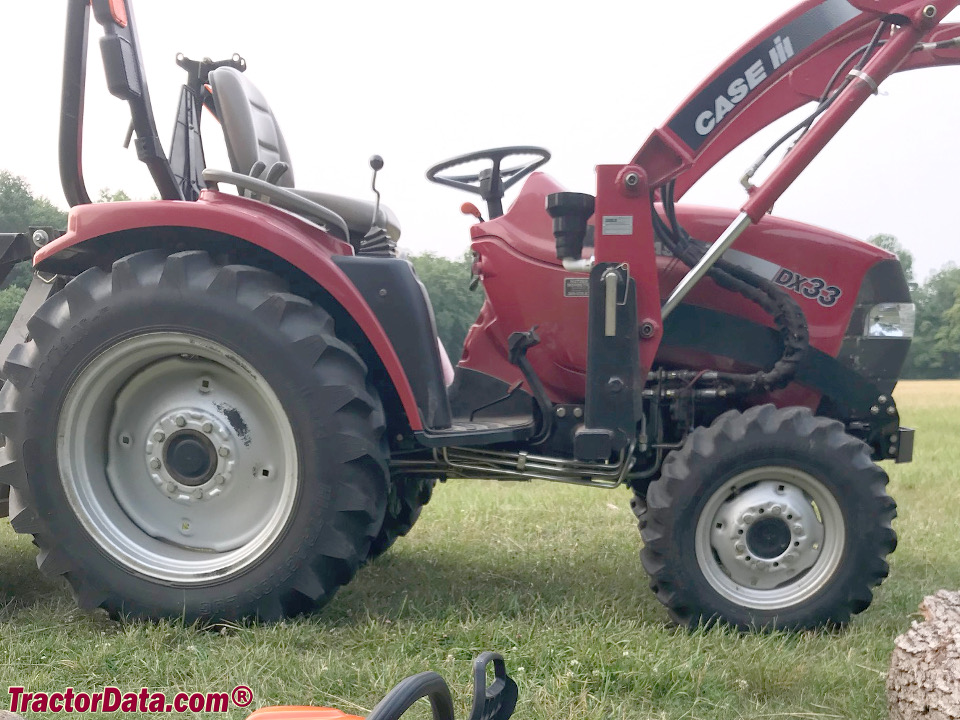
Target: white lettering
724 107
706 123
775 58
756 74
788 47
781 52
738 90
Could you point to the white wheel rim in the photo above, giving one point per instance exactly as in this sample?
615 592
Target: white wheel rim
127 423
770 538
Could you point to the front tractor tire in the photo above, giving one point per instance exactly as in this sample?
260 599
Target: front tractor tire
771 518
187 439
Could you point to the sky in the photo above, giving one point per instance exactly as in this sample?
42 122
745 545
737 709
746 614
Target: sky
421 81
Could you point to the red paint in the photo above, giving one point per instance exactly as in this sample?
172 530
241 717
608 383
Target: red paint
615 198
118 9
824 130
524 284
300 243
516 253
801 81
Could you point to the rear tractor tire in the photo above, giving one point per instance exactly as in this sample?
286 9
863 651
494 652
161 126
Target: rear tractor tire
408 495
772 519
189 440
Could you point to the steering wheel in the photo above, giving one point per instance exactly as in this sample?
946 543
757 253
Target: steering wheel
492 183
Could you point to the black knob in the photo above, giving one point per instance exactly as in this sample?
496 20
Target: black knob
570 213
376 162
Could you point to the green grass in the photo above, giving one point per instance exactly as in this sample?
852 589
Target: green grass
549 575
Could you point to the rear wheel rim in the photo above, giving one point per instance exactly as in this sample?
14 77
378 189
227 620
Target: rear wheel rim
770 538
177 458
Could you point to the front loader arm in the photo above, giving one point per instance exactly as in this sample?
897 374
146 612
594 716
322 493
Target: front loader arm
784 67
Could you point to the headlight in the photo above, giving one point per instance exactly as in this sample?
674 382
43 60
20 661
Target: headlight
892 320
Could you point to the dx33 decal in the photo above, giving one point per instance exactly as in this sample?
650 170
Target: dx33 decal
810 288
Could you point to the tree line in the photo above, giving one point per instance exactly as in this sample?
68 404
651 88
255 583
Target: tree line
934 353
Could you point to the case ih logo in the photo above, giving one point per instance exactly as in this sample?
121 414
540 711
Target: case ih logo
703 114
740 88
812 288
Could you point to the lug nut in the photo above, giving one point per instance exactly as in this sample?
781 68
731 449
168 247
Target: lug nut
171 487
578 412
224 451
180 421
740 547
207 428
198 494
159 437
891 410
219 480
776 510
155 463
561 412
874 410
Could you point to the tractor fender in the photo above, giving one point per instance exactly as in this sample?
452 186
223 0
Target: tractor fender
100 233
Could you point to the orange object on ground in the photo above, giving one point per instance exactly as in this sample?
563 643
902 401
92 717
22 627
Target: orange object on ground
300 713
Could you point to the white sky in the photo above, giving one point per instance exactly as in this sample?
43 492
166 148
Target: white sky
421 81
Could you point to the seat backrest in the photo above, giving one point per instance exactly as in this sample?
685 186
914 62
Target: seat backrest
249 127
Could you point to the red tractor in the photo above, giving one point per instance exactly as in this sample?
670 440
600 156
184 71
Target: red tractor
221 405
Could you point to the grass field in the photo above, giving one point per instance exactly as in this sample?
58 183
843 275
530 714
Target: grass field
548 575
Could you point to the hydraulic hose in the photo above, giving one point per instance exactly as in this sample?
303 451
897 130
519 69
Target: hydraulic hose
783 309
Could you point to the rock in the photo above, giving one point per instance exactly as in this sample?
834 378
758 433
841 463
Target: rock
924 678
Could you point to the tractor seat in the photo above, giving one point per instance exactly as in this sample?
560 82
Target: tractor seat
253 137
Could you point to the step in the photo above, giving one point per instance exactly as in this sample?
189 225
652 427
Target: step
464 432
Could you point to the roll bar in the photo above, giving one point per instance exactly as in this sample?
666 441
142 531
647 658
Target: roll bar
126 80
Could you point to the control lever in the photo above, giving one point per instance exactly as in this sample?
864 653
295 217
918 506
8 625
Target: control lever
611 281
376 164
517 344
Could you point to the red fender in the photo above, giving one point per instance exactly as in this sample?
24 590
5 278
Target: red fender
296 241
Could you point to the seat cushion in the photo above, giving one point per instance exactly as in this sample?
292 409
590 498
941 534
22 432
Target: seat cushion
358 214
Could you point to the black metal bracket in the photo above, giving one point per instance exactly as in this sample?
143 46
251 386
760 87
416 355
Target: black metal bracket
198 71
613 394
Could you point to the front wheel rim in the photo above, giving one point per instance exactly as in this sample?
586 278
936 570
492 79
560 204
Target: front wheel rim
770 538
177 458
